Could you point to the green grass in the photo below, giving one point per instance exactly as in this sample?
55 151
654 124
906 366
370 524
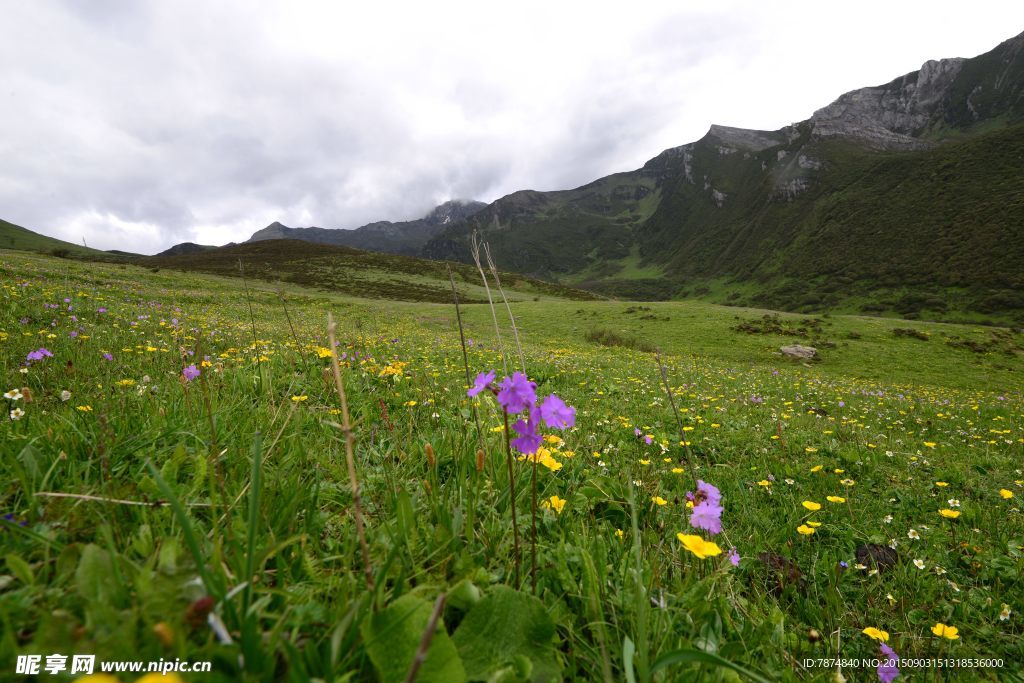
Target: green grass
241 475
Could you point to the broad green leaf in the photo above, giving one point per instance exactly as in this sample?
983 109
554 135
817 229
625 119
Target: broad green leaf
20 568
393 636
95 578
503 626
685 656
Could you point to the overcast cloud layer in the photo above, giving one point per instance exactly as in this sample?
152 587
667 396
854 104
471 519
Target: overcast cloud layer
140 124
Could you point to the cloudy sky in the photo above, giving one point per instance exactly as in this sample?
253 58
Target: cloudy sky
138 124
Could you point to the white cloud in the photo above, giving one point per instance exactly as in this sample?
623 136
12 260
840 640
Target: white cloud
148 123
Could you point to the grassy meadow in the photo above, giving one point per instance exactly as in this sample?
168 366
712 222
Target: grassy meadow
175 485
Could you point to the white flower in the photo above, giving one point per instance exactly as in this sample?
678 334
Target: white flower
913 534
17 414
919 564
953 503
892 543
1005 613
12 395
65 395
939 571
887 519
23 371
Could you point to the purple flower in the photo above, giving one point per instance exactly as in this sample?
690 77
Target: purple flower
734 557
529 440
709 493
707 516
483 380
517 393
107 356
101 310
556 414
190 373
39 354
842 404
887 669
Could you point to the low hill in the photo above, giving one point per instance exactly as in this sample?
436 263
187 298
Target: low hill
22 239
356 272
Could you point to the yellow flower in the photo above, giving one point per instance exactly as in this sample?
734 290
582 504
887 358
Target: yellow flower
805 530
409 404
323 352
1006 494
942 484
813 524
677 470
764 482
554 503
816 468
943 631
170 677
658 500
949 514
872 632
930 444
835 499
698 546
84 409
300 398
619 533
811 505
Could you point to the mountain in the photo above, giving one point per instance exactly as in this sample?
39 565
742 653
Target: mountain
186 248
405 237
905 197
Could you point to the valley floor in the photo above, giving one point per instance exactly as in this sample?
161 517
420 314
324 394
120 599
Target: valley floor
177 487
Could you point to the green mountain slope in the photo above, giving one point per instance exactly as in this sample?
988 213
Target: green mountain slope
21 239
907 196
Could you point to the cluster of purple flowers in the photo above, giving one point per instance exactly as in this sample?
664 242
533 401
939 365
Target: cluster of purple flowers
707 508
517 394
38 354
887 669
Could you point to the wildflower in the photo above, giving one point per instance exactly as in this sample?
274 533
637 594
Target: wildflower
556 414
734 557
65 395
658 500
299 399
707 516
877 634
483 380
1006 494
190 373
517 393
887 670
1004 613
805 530
835 499
930 444
107 356
948 632
84 409
887 519
953 503
529 440
554 503
942 484
12 395
811 505
39 354
698 546
816 468
17 414
949 514
919 564
847 482
913 534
